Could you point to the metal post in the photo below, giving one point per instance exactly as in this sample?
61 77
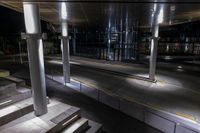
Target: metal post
36 59
74 42
154 45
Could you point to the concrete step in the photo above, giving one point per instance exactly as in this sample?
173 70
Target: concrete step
65 119
78 126
4 73
19 118
59 116
6 87
10 93
15 111
14 96
19 82
94 127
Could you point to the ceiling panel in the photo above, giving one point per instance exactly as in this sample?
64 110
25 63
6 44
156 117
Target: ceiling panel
103 12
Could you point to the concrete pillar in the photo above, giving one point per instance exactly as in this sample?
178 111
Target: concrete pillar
35 54
65 50
154 45
65 59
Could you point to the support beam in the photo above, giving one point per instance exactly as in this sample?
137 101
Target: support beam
65 59
65 43
153 57
35 54
154 45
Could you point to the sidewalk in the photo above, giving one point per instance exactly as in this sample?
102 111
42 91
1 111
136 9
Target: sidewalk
168 73
175 93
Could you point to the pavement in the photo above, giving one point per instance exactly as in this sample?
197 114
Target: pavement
29 123
112 120
176 91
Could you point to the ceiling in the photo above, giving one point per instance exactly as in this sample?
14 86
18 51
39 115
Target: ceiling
102 12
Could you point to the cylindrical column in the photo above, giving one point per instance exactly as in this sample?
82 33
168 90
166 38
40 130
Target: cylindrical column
65 42
36 59
65 52
154 45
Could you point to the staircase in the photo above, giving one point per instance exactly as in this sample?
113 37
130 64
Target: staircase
17 113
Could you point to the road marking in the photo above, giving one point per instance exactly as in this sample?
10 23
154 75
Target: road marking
191 117
155 106
5 102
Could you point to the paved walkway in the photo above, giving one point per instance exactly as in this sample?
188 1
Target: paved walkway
113 121
176 92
